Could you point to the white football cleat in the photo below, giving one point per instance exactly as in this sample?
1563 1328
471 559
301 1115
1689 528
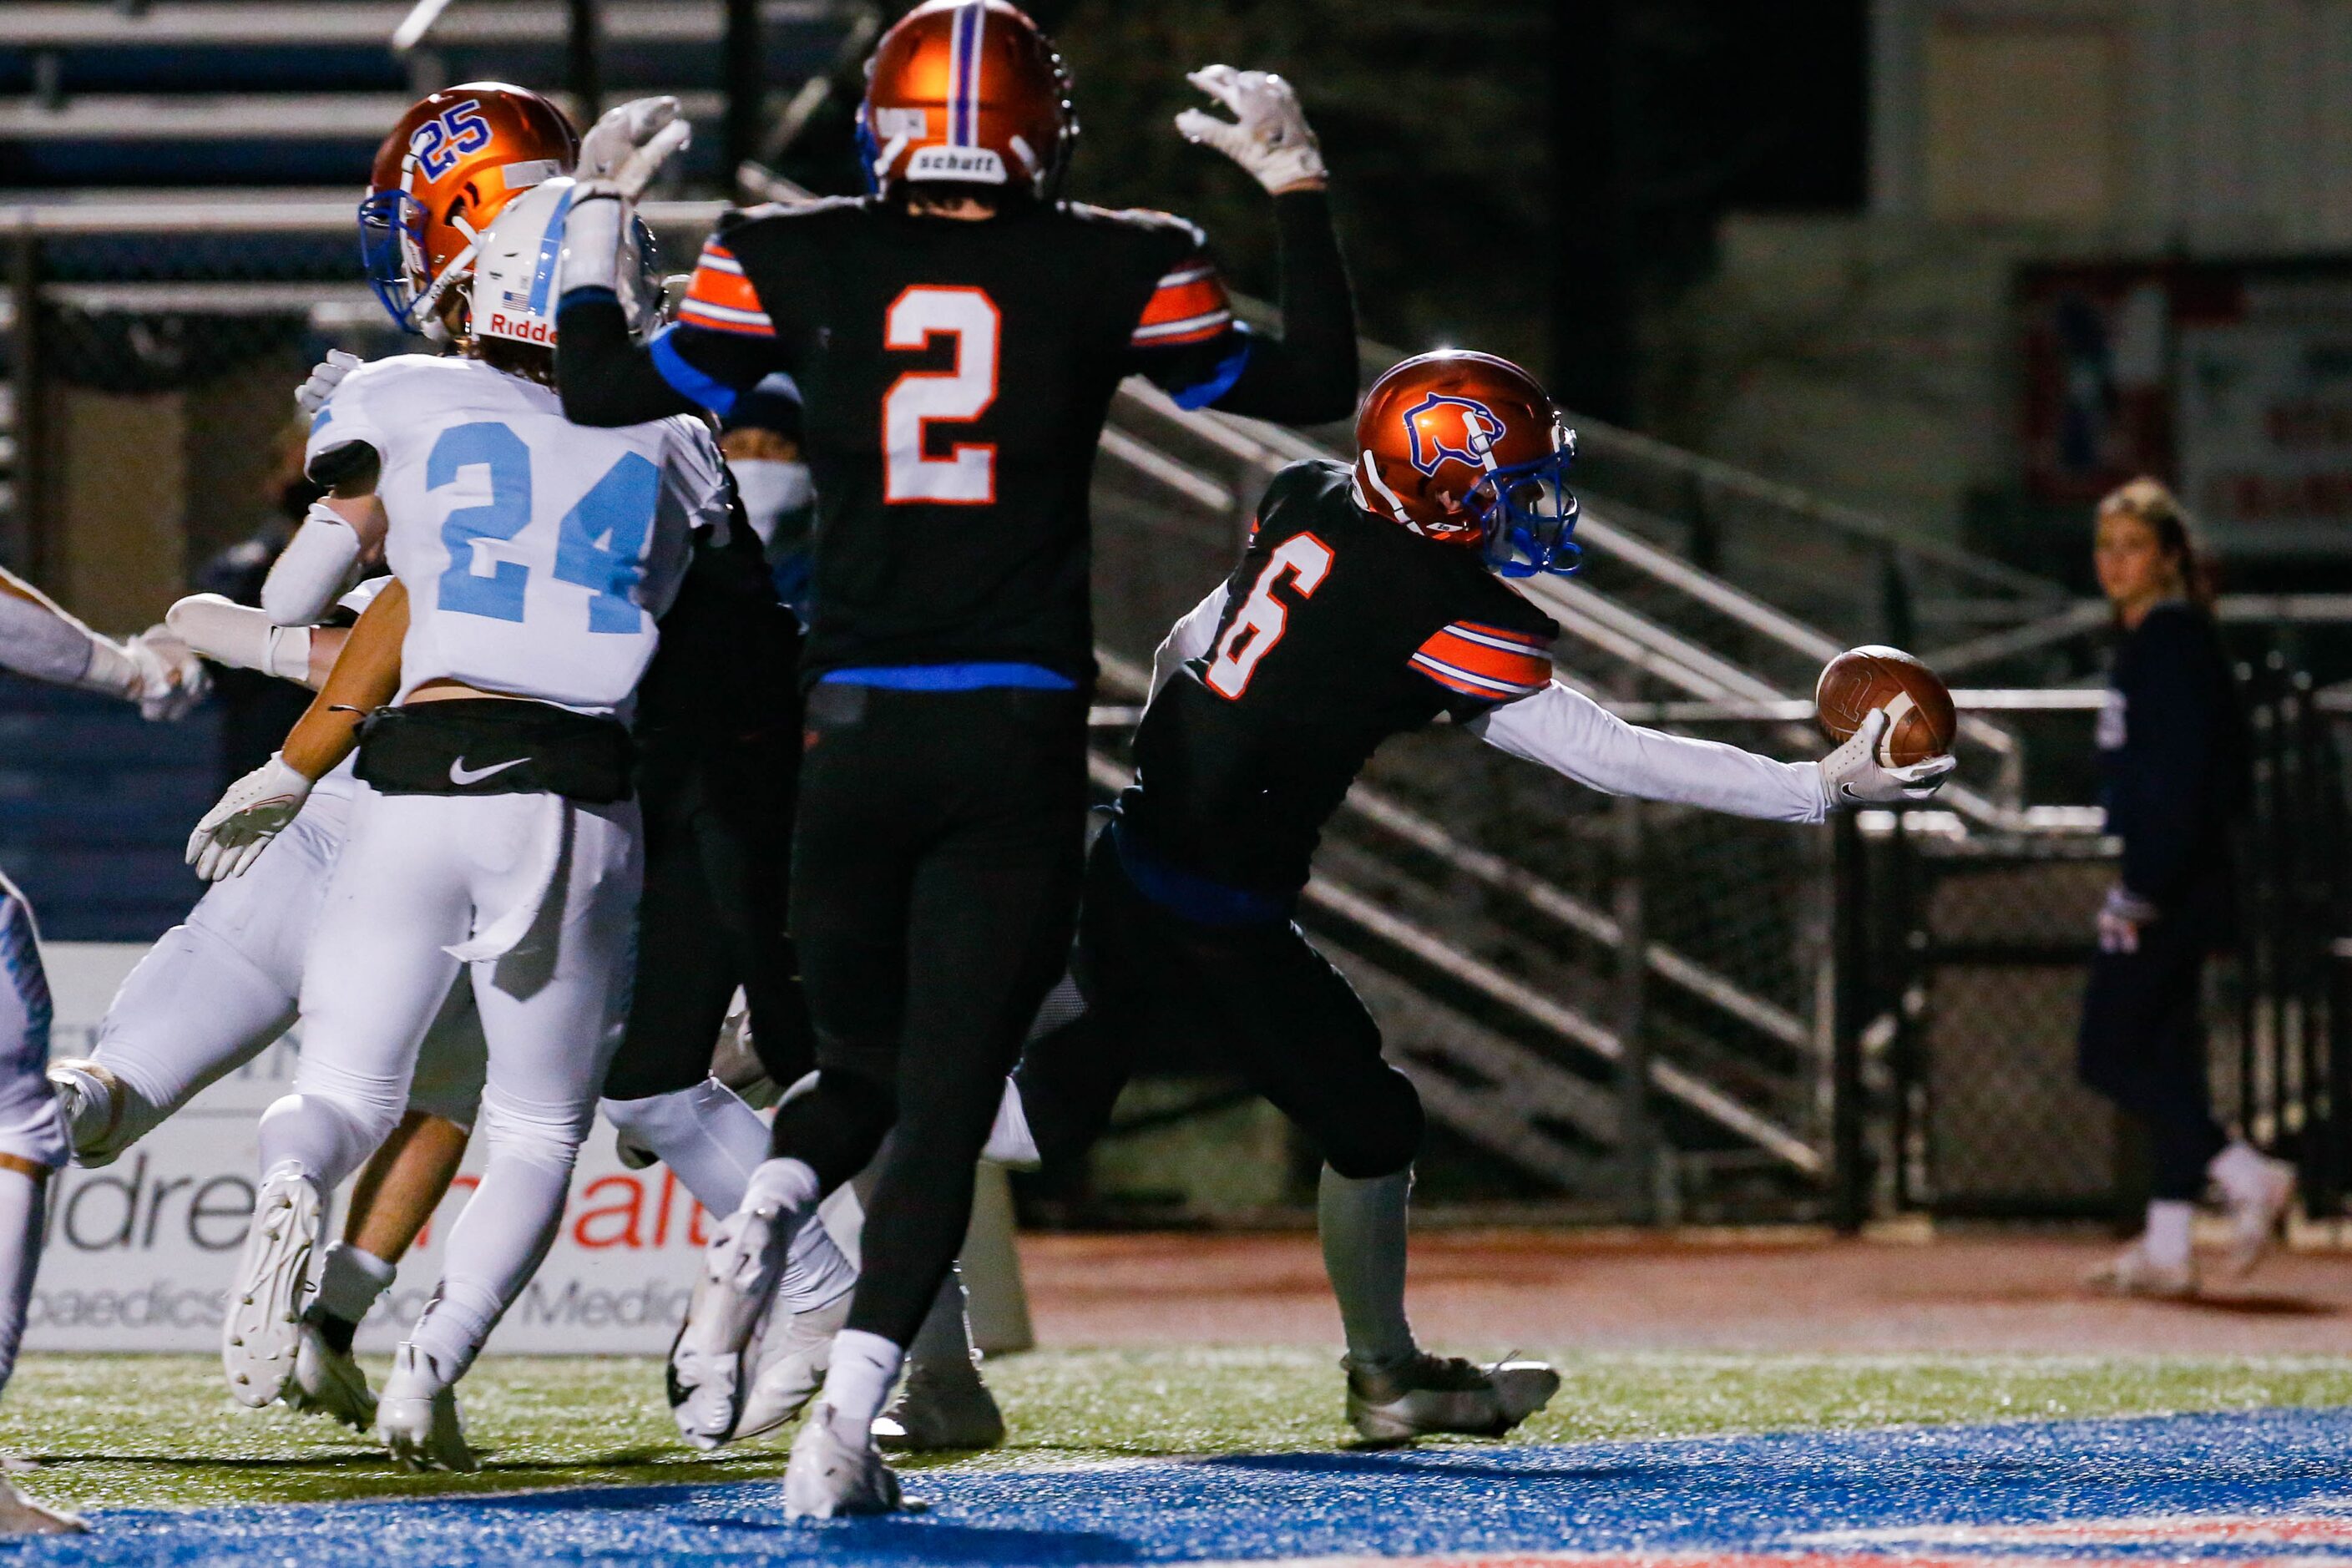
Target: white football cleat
2256 1192
92 1099
20 1515
1429 1394
940 1408
739 1270
263 1328
2132 1272
329 1382
793 1352
417 1418
827 1477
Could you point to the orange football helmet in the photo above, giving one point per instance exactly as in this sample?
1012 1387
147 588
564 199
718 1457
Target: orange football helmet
1466 448
970 91
452 162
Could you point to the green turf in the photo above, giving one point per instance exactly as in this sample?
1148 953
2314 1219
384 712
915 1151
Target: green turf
123 1431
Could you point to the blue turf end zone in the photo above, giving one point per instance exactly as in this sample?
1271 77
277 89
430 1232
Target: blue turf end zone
2265 1486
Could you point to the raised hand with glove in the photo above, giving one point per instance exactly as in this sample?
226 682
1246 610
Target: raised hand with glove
618 159
1853 775
1268 134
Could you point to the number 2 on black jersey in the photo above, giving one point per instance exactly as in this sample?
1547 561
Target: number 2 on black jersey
1306 560
966 475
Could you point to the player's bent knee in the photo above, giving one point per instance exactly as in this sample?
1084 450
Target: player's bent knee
1382 1132
548 1135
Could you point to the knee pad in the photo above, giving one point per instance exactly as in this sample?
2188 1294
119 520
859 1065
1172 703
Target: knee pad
372 1105
536 1132
1382 1130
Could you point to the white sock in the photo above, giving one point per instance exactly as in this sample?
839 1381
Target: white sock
816 1271
1364 1229
2167 1239
1010 1142
2241 1172
943 1343
21 1214
787 1183
456 1322
858 1383
350 1280
704 1133
497 1245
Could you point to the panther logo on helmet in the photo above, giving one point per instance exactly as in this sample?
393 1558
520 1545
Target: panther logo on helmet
451 166
1440 427
1466 450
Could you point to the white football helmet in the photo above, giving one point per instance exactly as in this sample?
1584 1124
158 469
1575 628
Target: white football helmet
516 289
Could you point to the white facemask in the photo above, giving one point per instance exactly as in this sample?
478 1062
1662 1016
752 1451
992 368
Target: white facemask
770 490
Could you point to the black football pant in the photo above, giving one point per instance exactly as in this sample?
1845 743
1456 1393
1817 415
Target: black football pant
712 917
1263 1002
935 880
2142 1045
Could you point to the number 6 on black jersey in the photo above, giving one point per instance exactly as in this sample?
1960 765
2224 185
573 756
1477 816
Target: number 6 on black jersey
1263 619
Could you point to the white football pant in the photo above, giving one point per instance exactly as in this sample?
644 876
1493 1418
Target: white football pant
215 992
32 1129
537 897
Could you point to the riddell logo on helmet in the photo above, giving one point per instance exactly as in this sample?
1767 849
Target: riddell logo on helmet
1440 427
523 329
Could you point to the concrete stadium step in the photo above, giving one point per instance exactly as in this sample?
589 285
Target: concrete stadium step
272 93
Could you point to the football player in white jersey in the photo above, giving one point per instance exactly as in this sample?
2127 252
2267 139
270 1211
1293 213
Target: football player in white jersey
531 558
217 990
155 670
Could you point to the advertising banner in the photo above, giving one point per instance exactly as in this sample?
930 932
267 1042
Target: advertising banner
139 1253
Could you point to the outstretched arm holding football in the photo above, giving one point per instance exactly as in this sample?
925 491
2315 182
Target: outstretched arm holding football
1569 733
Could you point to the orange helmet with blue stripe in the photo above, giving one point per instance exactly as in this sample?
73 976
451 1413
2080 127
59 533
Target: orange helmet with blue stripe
966 90
449 166
1466 448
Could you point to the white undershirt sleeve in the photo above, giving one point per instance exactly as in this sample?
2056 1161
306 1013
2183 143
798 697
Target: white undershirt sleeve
315 568
1189 638
1569 733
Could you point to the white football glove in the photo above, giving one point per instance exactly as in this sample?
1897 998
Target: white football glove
256 808
1853 774
627 132
1268 134
325 376
2120 917
169 678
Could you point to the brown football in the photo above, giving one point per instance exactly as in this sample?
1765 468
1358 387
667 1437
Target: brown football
1917 701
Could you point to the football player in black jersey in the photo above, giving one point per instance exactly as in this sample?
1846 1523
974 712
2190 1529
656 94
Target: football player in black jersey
957 337
1370 602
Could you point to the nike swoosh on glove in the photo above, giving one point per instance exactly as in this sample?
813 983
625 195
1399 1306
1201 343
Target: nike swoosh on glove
254 810
325 376
171 678
1268 134
1853 775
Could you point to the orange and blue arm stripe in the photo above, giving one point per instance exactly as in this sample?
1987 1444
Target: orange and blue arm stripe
1189 306
1490 662
719 298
